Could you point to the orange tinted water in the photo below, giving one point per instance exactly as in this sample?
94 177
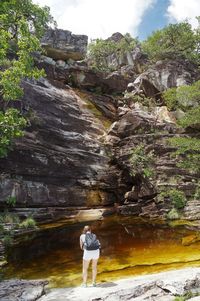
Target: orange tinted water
129 247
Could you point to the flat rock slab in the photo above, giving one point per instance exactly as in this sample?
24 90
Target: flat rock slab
160 287
21 290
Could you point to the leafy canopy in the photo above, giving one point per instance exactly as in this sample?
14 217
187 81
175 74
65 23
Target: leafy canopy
99 50
173 41
183 97
22 24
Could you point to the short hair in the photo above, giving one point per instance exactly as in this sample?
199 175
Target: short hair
86 229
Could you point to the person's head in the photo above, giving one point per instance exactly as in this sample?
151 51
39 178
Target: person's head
86 229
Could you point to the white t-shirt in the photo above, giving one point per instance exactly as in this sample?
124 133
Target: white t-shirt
82 239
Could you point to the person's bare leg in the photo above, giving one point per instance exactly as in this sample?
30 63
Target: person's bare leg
85 270
94 270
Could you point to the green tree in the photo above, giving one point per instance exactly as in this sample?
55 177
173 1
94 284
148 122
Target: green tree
188 148
22 24
183 97
188 152
173 41
99 50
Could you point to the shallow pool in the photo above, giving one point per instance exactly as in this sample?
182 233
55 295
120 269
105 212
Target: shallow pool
129 247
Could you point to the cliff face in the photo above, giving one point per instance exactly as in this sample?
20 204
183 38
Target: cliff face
75 152
62 160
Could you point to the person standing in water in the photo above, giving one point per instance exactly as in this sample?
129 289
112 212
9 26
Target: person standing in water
90 246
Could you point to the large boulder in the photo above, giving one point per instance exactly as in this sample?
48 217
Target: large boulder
63 45
163 75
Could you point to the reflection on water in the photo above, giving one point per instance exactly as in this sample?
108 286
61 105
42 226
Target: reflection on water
129 247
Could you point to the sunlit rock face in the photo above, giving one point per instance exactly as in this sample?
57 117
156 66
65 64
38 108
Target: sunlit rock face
163 75
61 160
134 57
63 45
151 129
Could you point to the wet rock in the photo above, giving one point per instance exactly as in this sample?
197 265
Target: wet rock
190 239
130 209
61 158
23 290
63 45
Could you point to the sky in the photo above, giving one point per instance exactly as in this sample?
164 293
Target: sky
102 18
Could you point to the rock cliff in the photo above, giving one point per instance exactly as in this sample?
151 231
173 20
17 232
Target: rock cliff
75 152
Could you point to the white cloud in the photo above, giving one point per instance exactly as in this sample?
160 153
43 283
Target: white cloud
98 18
180 10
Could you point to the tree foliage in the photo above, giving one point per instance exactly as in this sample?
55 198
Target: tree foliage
186 98
142 161
173 41
188 152
183 97
99 50
22 24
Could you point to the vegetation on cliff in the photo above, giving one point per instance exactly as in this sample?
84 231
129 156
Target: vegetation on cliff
99 50
142 161
22 24
174 41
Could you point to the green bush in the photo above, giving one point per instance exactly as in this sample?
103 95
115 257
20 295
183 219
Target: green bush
180 298
187 296
10 218
141 161
197 192
187 152
11 201
183 97
28 223
1 229
177 198
173 214
7 240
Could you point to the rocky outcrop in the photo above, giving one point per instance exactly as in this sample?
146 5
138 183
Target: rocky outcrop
164 286
23 290
132 56
63 45
79 75
147 128
163 75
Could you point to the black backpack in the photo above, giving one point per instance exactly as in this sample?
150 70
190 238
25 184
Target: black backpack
91 242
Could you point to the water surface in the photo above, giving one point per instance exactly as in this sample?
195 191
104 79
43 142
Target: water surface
129 247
